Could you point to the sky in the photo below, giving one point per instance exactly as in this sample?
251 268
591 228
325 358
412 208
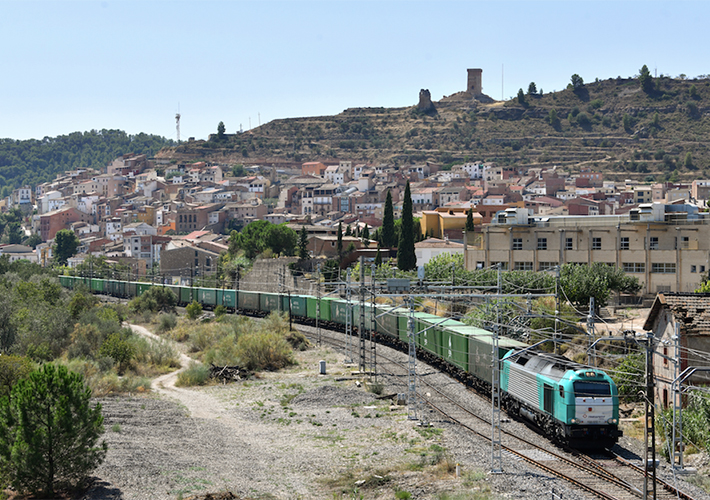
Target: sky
68 66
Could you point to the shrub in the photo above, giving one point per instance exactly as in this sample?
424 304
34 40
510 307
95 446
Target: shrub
13 369
166 322
264 351
48 432
193 310
117 347
195 374
220 310
155 299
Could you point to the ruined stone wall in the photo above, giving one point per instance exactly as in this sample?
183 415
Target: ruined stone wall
475 81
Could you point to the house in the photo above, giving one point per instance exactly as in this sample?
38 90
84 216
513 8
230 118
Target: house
52 222
680 323
188 261
431 247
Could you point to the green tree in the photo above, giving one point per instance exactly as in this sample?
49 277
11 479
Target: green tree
33 240
260 235
577 84
303 253
49 433
366 235
693 91
521 97
406 258
532 89
469 220
220 131
12 370
552 118
688 160
119 349
193 310
378 258
646 80
627 122
629 376
580 282
155 299
388 240
339 247
65 245
238 170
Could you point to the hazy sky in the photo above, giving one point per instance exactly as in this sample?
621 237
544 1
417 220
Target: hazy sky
70 66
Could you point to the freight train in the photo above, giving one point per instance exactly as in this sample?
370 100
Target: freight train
571 403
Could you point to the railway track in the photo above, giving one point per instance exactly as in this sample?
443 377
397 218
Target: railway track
603 475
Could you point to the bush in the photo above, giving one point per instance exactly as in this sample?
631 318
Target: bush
264 351
157 353
220 310
195 374
48 432
116 346
166 322
193 310
13 369
155 299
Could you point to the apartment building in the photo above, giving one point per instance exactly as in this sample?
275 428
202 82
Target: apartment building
666 246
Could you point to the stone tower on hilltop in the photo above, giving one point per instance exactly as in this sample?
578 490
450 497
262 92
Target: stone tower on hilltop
475 85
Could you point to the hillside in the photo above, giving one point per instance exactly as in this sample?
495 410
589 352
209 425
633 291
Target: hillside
607 125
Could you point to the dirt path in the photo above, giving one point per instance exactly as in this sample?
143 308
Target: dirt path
199 405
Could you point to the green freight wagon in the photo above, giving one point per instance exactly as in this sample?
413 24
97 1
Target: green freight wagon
455 345
428 331
481 351
298 306
312 307
227 298
339 311
185 294
325 308
207 296
269 302
387 323
248 301
143 287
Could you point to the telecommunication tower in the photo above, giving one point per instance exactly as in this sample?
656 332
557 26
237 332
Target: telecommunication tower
177 125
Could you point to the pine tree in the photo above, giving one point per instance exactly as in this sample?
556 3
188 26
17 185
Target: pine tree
303 244
49 432
378 258
388 223
406 258
340 239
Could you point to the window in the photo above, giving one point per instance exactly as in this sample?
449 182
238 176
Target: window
545 266
569 244
523 266
684 242
542 243
517 243
653 243
624 244
634 267
693 269
702 269
663 267
665 356
596 243
503 265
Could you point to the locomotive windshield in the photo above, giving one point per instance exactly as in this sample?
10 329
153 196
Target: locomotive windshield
590 389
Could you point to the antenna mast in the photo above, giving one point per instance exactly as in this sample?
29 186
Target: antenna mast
177 124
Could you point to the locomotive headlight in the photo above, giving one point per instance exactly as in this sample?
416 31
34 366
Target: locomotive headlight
612 421
573 421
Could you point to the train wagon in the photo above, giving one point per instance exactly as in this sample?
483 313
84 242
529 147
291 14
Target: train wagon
227 298
298 305
269 302
248 301
207 297
340 312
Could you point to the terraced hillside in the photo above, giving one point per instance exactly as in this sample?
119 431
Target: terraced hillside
609 125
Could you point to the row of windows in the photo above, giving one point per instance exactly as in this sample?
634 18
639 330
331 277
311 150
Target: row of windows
624 243
628 267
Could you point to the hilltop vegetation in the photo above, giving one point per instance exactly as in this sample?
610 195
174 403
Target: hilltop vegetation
35 161
638 127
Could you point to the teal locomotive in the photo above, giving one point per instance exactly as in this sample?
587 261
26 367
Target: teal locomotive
571 403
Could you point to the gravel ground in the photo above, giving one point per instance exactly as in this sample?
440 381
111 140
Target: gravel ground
296 434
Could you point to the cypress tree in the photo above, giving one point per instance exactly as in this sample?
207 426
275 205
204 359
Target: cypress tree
388 223
469 220
406 258
340 239
303 244
378 258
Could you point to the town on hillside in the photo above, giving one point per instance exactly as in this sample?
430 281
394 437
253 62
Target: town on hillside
174 219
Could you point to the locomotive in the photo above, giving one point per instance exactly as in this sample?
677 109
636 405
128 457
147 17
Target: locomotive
572 403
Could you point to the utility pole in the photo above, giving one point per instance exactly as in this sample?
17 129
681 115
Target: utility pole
496 448
650 428
557 311
590 332
412 402
318 332
348 320
361 326
373 344
677 404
